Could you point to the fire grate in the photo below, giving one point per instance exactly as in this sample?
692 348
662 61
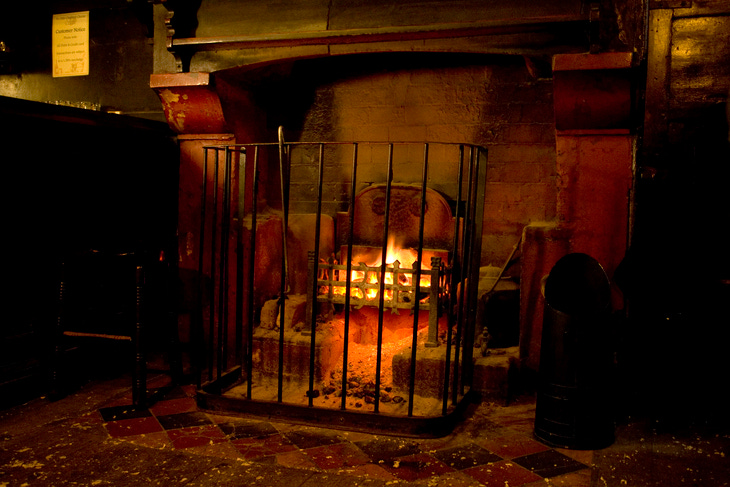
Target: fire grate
305 339
387 282
395 294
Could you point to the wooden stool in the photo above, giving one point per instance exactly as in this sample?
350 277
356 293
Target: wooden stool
101 296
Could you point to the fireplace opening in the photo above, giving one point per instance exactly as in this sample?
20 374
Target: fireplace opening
345 297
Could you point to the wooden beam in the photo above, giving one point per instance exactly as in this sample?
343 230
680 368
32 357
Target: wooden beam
656 117
377 34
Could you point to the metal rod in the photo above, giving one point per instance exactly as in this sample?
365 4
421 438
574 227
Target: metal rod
434 304
416 280
383 265
477 212
460 268
462 289
251 274
284 183
348 277
453 284
139 388
238 218
469 263
211 291
315 266
223 285
198 347
58 347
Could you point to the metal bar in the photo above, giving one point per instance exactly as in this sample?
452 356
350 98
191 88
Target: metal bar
211 291
58 348
310 318
466 239
312 285
433 315
383 265
284 187
223 285
468 272
458 387
416 280
453 284
139 384
414 427
348 277
315 267
238 218
251 273
397 289
198 345
474 262
432 340
284 183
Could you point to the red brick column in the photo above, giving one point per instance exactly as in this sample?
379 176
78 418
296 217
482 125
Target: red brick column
193 110
594 166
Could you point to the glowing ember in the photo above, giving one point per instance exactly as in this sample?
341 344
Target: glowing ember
400 260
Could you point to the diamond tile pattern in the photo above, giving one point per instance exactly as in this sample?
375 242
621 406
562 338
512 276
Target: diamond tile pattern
338 455
466 456
311 438
252 448
501 455
502 474
133 427
196 436
417 467
95 438
385 449
248 429
115 413
549 463
183 420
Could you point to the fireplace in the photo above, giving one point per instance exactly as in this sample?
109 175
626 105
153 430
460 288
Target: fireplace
330 313
557 121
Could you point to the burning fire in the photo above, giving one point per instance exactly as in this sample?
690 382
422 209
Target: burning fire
400 260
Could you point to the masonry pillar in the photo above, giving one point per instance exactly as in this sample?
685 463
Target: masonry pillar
193 110
593 100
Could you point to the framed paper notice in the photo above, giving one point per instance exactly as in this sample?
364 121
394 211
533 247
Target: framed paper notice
71 44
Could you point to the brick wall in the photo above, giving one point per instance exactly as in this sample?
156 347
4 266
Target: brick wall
488 101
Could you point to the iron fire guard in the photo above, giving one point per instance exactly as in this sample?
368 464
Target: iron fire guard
272 343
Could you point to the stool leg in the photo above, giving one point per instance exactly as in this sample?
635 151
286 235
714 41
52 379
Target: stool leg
56 359
139 381
170 317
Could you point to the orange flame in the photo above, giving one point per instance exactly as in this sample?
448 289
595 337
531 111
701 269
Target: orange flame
405 257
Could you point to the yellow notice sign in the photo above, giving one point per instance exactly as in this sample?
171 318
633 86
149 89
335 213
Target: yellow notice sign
71 44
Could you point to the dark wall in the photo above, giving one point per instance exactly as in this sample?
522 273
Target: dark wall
74 180
677 274
120 56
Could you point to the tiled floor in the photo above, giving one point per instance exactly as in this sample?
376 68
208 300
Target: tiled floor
93 439
506 456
